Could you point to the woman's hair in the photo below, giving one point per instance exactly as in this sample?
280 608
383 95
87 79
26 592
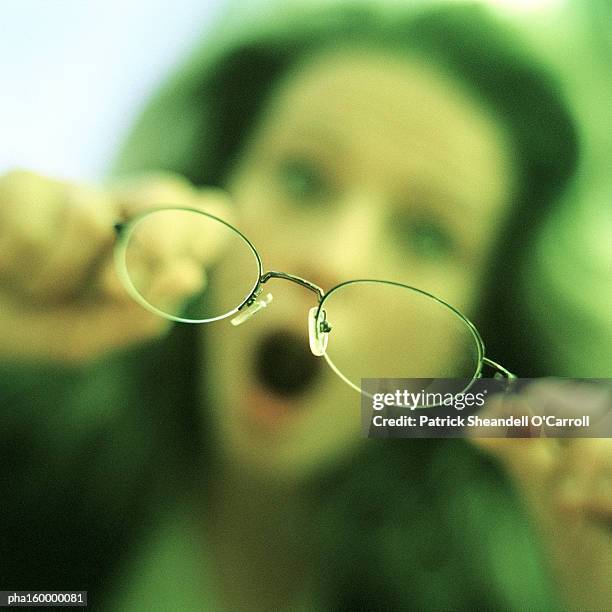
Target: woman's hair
198 126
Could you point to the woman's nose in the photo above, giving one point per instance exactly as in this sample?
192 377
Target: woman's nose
344 243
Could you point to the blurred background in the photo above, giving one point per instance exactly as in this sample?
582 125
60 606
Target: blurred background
76 73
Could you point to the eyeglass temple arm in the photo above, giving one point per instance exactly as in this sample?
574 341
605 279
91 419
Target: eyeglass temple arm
500 372
294 279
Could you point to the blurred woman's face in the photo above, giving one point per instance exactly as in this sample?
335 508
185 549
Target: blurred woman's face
364 165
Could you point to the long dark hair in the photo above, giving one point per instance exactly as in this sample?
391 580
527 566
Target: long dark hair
394 518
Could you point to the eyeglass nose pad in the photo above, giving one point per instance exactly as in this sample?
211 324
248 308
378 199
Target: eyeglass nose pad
317 333
251 309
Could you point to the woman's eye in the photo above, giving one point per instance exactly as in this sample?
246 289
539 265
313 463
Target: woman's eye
427 239
301 180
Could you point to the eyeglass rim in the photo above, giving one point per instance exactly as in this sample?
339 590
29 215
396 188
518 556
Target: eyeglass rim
473 330
125 229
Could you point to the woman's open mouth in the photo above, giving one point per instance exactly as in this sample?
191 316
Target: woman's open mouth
284 364
284 371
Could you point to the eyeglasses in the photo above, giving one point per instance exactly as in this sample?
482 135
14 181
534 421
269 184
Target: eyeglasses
363 328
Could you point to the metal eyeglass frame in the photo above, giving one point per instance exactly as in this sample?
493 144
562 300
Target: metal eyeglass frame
319 327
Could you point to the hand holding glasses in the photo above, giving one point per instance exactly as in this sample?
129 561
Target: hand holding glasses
363 328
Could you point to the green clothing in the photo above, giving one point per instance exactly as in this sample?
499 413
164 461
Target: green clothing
169 570
93 502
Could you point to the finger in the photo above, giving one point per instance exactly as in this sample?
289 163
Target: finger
172 286
180 280
173 239
215 202
149 191
110 287
586 482
170 191
30 212
167 251
81 246
531 461
161 190
52 234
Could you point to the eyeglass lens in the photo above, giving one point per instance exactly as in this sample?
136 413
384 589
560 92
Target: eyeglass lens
170 260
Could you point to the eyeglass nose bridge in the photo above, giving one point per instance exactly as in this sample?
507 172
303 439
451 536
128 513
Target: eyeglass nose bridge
318 329
294 279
